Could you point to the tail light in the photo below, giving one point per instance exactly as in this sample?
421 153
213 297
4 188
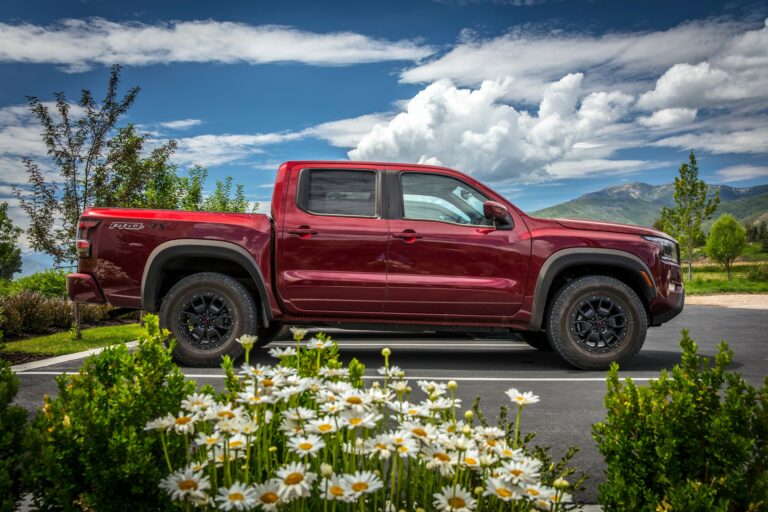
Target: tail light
83 244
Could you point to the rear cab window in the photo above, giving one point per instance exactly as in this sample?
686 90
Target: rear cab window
345 193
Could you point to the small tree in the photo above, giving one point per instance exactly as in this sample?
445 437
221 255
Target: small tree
726 241
692 208
10 254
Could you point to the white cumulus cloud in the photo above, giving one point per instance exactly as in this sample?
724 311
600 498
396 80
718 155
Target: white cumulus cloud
77 45
741 173
668 118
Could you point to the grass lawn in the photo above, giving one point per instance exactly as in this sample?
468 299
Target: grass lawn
712 279
62 343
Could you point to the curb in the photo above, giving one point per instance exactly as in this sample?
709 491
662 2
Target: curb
20 368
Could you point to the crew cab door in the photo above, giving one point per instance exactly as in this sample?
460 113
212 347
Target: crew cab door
331 245
447 262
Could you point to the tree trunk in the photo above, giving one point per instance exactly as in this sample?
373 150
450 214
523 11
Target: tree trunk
690 268
141 317
78 327
728 271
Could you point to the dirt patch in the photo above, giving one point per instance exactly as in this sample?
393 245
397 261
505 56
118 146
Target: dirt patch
22 357
730 300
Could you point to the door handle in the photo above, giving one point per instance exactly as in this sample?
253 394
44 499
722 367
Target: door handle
303 231
408 235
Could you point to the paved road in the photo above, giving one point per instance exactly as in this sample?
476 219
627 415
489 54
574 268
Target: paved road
571 400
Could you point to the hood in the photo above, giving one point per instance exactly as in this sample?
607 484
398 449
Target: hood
610 226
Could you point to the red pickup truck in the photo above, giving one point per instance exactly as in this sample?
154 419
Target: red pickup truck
384 246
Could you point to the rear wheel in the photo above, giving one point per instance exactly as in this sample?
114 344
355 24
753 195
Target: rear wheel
596 320
206 313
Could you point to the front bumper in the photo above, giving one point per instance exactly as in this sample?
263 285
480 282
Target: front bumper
677 300
83 288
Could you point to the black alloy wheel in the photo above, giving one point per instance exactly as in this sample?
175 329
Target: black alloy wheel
599 323
205 320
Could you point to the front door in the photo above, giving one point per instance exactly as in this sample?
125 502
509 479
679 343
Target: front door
332 244
447 262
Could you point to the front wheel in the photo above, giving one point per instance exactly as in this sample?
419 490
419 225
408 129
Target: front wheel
597 320
206 313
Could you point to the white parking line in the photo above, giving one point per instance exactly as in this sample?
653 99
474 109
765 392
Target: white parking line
62 359
469 345
431 377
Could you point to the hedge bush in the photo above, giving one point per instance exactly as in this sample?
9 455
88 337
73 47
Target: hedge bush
693 441
12 423
51 283
31 312
757 272
88 447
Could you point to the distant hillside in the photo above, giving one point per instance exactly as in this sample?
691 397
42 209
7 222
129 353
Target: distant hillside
640 203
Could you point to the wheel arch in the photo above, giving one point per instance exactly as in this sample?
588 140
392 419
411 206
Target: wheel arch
177 258
576 262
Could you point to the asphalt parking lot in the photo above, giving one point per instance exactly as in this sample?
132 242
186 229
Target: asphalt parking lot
571 400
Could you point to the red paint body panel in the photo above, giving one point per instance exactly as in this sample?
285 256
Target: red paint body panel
341 269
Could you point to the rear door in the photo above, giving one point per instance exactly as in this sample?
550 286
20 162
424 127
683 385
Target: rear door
332 244
447 262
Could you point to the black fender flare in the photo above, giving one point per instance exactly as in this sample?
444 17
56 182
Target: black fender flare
565 258
168 251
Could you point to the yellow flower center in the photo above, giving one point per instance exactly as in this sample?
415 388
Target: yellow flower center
355 421
359 486
211 440
470 460
293 479
412 412
516 472
503 492
402 449
188 485
236 496
491 442
354 400
268 497
235 443
442 457
419 432
305 446
337 491
507 453
267 383
183 420
381 446
325 427
399 440
226 414
457 502
532 491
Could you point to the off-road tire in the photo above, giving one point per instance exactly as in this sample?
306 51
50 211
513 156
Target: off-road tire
244 317
537 340
563 310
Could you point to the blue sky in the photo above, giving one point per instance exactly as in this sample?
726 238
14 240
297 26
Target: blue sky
544 100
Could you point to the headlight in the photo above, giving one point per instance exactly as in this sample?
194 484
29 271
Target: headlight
669 249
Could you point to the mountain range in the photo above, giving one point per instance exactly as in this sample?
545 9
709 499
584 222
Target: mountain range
640 204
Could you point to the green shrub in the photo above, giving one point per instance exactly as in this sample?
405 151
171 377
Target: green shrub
693 441
88 448
757 272
51 283
30 312
12 421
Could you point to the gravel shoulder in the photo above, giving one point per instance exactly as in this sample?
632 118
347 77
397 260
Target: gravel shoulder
730 300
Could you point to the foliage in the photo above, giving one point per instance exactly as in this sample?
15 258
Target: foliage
222 199
696 440
692 208
726 241
63 342
32 312
757 231
301 436
757 272
76 143
88 448
10 254
51 283
12 424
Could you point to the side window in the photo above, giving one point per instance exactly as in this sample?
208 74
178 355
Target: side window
442 198
327 192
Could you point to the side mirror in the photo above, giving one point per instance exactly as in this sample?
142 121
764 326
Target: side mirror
495 211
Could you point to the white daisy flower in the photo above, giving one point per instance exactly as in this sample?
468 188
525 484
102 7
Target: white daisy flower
535 491
266 496
433 388
259 370
208 440
197 402
184 423
306 445
471 459
521 471
356 400
186 484
324 425
219 412
294 481
166 422
408 409
381 445
505 452
281 353
335 489
437 458
392 372
398 386
298 333
333 373
353 420
404 444
247 341
252 397
450 500
520 398
362 482
318 344
236 497
299 414
238 442
423 432
497 487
